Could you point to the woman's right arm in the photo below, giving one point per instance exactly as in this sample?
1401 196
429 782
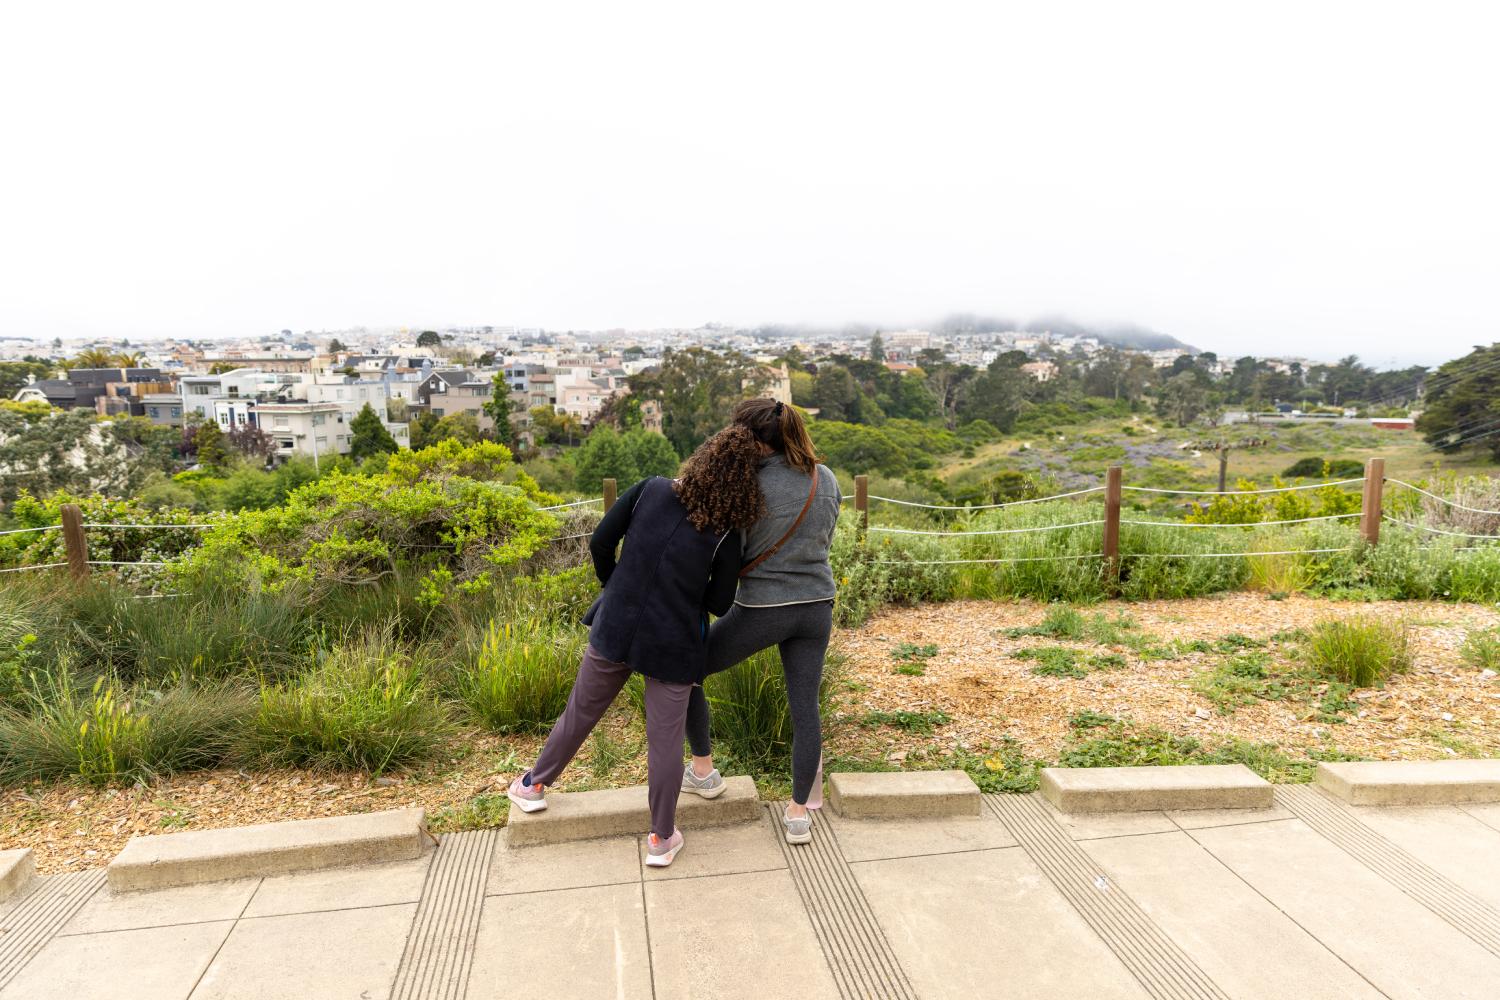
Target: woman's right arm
606 537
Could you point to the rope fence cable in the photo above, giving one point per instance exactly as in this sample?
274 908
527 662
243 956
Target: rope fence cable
1435 531
1012 559
987 506
994 531
1226 555
575 503
24 531
149 526
1450 503
1240 524
22 569
1242 493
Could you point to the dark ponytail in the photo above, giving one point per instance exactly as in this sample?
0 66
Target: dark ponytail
780 427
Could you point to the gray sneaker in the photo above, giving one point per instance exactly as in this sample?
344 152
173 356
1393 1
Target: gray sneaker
798 830
710 787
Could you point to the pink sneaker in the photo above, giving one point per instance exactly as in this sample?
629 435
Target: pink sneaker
660 853
531 798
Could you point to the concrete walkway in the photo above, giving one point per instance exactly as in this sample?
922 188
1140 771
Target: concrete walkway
1310 898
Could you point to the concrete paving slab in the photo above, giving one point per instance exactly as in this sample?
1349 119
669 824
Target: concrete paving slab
878 839
1126 789
574 864
1199 819
108 910
1445 838
729 850
988 924
1092 826
619 812
1411 782
761 939
1394 942
157 963
348 953
1488 814
166 860
341 888
1228 928
902 794
17 869
582 944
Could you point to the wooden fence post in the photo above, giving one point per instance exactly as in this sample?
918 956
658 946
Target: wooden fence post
74 541
609 494
1369 516
862 503
1112 479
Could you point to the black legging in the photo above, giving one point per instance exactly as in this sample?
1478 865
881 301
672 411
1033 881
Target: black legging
801 632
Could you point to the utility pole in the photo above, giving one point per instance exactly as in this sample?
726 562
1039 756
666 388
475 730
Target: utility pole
1223 448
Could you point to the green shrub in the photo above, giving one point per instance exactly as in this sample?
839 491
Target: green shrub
364 706
112 734
1362 652
1090 719
908 652
521 675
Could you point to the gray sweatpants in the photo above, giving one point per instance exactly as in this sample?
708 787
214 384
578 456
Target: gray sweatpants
801 632
599 681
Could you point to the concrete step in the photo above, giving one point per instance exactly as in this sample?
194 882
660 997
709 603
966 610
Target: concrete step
174 859
17 869
1411 782
617 812
1130 789
903 794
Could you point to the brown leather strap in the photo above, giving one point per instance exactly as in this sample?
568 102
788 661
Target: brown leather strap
811 494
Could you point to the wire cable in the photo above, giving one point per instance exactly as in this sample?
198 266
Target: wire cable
975 534
988 506
1247 524
1243 493
1450 503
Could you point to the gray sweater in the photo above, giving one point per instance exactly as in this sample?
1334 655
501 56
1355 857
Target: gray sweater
799 572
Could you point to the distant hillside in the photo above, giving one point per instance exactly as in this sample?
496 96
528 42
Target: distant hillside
1124 335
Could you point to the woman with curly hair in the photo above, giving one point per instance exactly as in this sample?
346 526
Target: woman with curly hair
785 600
680 563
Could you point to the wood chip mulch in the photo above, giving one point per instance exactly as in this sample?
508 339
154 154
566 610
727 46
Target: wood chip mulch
989 694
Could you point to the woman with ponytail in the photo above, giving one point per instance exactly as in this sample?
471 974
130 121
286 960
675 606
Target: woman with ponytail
785 600
680 563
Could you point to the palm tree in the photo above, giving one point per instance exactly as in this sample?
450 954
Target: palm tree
132 360
94 357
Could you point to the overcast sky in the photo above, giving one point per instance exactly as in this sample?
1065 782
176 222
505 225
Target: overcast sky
1309 178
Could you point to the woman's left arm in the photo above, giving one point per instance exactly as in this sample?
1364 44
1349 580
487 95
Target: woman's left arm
724 579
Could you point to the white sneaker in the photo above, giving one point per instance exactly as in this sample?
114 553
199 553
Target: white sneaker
710 787
798 829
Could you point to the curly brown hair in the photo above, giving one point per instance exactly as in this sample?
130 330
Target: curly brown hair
720 482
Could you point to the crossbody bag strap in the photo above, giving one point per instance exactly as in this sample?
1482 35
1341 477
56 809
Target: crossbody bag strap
811 494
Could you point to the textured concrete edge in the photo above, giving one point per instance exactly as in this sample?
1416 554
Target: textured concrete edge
1144 794
276 849
1392 789
17 870
740 804
903 794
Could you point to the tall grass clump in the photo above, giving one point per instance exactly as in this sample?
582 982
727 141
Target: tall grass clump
520 676
1481 649
750 720
110 733
364 706
1362 652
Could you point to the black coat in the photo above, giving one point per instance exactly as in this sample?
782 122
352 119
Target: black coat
653 613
